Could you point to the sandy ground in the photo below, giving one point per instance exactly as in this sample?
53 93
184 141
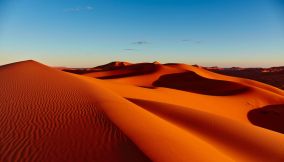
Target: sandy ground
137 112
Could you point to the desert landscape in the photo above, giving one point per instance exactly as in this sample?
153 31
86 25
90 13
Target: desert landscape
141 81
137 112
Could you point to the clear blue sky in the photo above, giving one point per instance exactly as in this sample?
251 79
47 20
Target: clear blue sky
82 33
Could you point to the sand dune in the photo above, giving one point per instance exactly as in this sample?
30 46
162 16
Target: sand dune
113 65
190 81
234 106
273 75
128 70
270 117
147 79
214 129
142 74
137 112
48 115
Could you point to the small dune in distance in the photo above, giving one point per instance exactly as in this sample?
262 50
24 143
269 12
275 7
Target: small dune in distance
273 75
141 112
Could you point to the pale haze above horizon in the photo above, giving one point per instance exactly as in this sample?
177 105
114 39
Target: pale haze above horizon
86 33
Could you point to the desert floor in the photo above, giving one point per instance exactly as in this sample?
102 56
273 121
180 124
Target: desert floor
123 112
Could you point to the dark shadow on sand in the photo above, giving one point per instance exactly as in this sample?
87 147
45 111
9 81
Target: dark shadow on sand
192 82
269 117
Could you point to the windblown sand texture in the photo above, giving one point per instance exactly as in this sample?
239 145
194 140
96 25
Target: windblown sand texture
123 112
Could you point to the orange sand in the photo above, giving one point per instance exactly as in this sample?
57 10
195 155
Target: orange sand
137 112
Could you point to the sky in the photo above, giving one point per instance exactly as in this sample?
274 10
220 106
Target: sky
86 33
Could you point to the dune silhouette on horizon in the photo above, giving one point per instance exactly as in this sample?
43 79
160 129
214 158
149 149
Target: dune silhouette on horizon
137 112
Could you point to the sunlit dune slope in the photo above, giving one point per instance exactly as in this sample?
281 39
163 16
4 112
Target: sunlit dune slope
145 74
231 97
137 112
218 120
225 134
48 115
204 90
159 139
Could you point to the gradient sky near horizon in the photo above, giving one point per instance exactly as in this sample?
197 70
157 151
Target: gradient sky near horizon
84 33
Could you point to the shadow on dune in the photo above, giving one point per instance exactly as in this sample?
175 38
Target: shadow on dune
220 131
269 117
80 71
192 82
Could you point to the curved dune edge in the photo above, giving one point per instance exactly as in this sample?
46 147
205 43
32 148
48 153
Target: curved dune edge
48 115
225 134
161 140
212 75
235 107
146 80
133 76
269 117
192 82
130 70
161 124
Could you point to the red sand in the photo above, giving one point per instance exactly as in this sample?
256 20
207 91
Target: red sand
50 115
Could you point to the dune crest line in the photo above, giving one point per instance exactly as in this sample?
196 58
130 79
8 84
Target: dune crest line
123 112
49 115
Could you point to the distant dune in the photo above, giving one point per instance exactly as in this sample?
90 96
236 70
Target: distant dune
124 112
273 76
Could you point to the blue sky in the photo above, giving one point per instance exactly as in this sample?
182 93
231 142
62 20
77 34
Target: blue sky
82 33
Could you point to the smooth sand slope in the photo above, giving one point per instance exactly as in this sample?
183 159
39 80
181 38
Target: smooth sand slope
228 100
197 88
137 112
47 115
225 134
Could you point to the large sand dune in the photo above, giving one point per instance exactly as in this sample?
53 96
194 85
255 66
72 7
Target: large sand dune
137 112
48 115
